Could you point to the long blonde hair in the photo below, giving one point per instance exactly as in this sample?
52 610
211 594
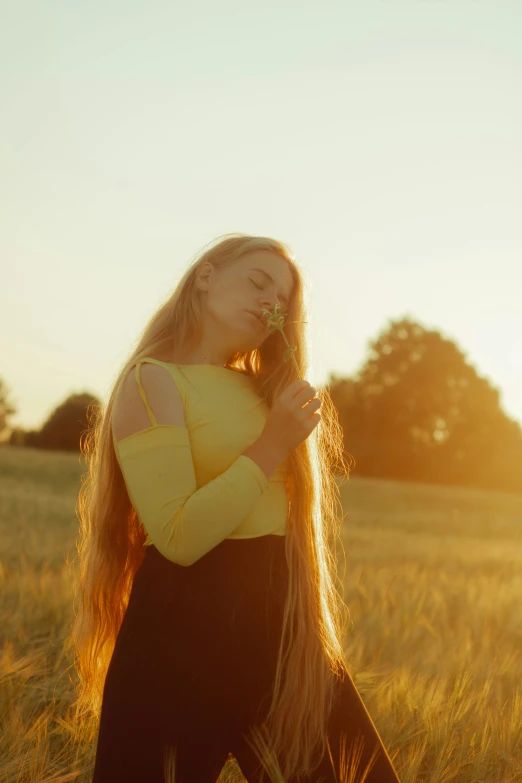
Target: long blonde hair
110 542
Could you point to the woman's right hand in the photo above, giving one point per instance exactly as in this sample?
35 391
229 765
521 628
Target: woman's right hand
291 419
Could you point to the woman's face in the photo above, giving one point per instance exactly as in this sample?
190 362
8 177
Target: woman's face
257 280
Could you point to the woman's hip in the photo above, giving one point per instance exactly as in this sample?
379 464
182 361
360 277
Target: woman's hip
222 619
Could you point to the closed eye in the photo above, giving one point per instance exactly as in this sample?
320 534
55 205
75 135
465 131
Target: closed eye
284 311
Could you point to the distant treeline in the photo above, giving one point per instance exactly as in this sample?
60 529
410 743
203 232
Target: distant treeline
416 410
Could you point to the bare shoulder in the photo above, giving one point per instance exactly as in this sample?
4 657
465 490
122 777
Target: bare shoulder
129 414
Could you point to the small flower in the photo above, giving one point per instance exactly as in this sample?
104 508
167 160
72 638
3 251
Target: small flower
275 320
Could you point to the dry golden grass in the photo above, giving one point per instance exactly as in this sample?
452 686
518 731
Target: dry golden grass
433 581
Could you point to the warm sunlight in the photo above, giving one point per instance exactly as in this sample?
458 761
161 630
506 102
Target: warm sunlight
261 392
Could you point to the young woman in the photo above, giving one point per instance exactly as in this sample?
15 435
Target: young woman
210 616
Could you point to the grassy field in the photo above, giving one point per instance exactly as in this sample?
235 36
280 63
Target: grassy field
433 581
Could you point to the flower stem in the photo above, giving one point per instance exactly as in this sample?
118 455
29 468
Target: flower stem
276 321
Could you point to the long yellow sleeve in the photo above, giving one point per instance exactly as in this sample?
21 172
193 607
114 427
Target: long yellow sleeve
182 521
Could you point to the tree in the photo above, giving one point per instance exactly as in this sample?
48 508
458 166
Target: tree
418 410
65 426
7 410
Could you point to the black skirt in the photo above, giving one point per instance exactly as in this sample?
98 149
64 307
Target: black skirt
195 656
193 670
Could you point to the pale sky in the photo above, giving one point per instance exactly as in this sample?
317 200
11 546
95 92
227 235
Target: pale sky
382 141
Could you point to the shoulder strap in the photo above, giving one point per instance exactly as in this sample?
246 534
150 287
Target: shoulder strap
142 390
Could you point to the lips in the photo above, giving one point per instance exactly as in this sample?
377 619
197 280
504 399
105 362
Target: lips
257 316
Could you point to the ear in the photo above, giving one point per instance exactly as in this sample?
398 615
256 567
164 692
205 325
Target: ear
203 275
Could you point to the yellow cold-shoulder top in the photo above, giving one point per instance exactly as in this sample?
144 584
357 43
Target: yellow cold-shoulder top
192 487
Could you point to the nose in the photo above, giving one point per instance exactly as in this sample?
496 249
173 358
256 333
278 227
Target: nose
269 303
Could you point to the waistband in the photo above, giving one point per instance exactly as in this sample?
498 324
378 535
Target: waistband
237 561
